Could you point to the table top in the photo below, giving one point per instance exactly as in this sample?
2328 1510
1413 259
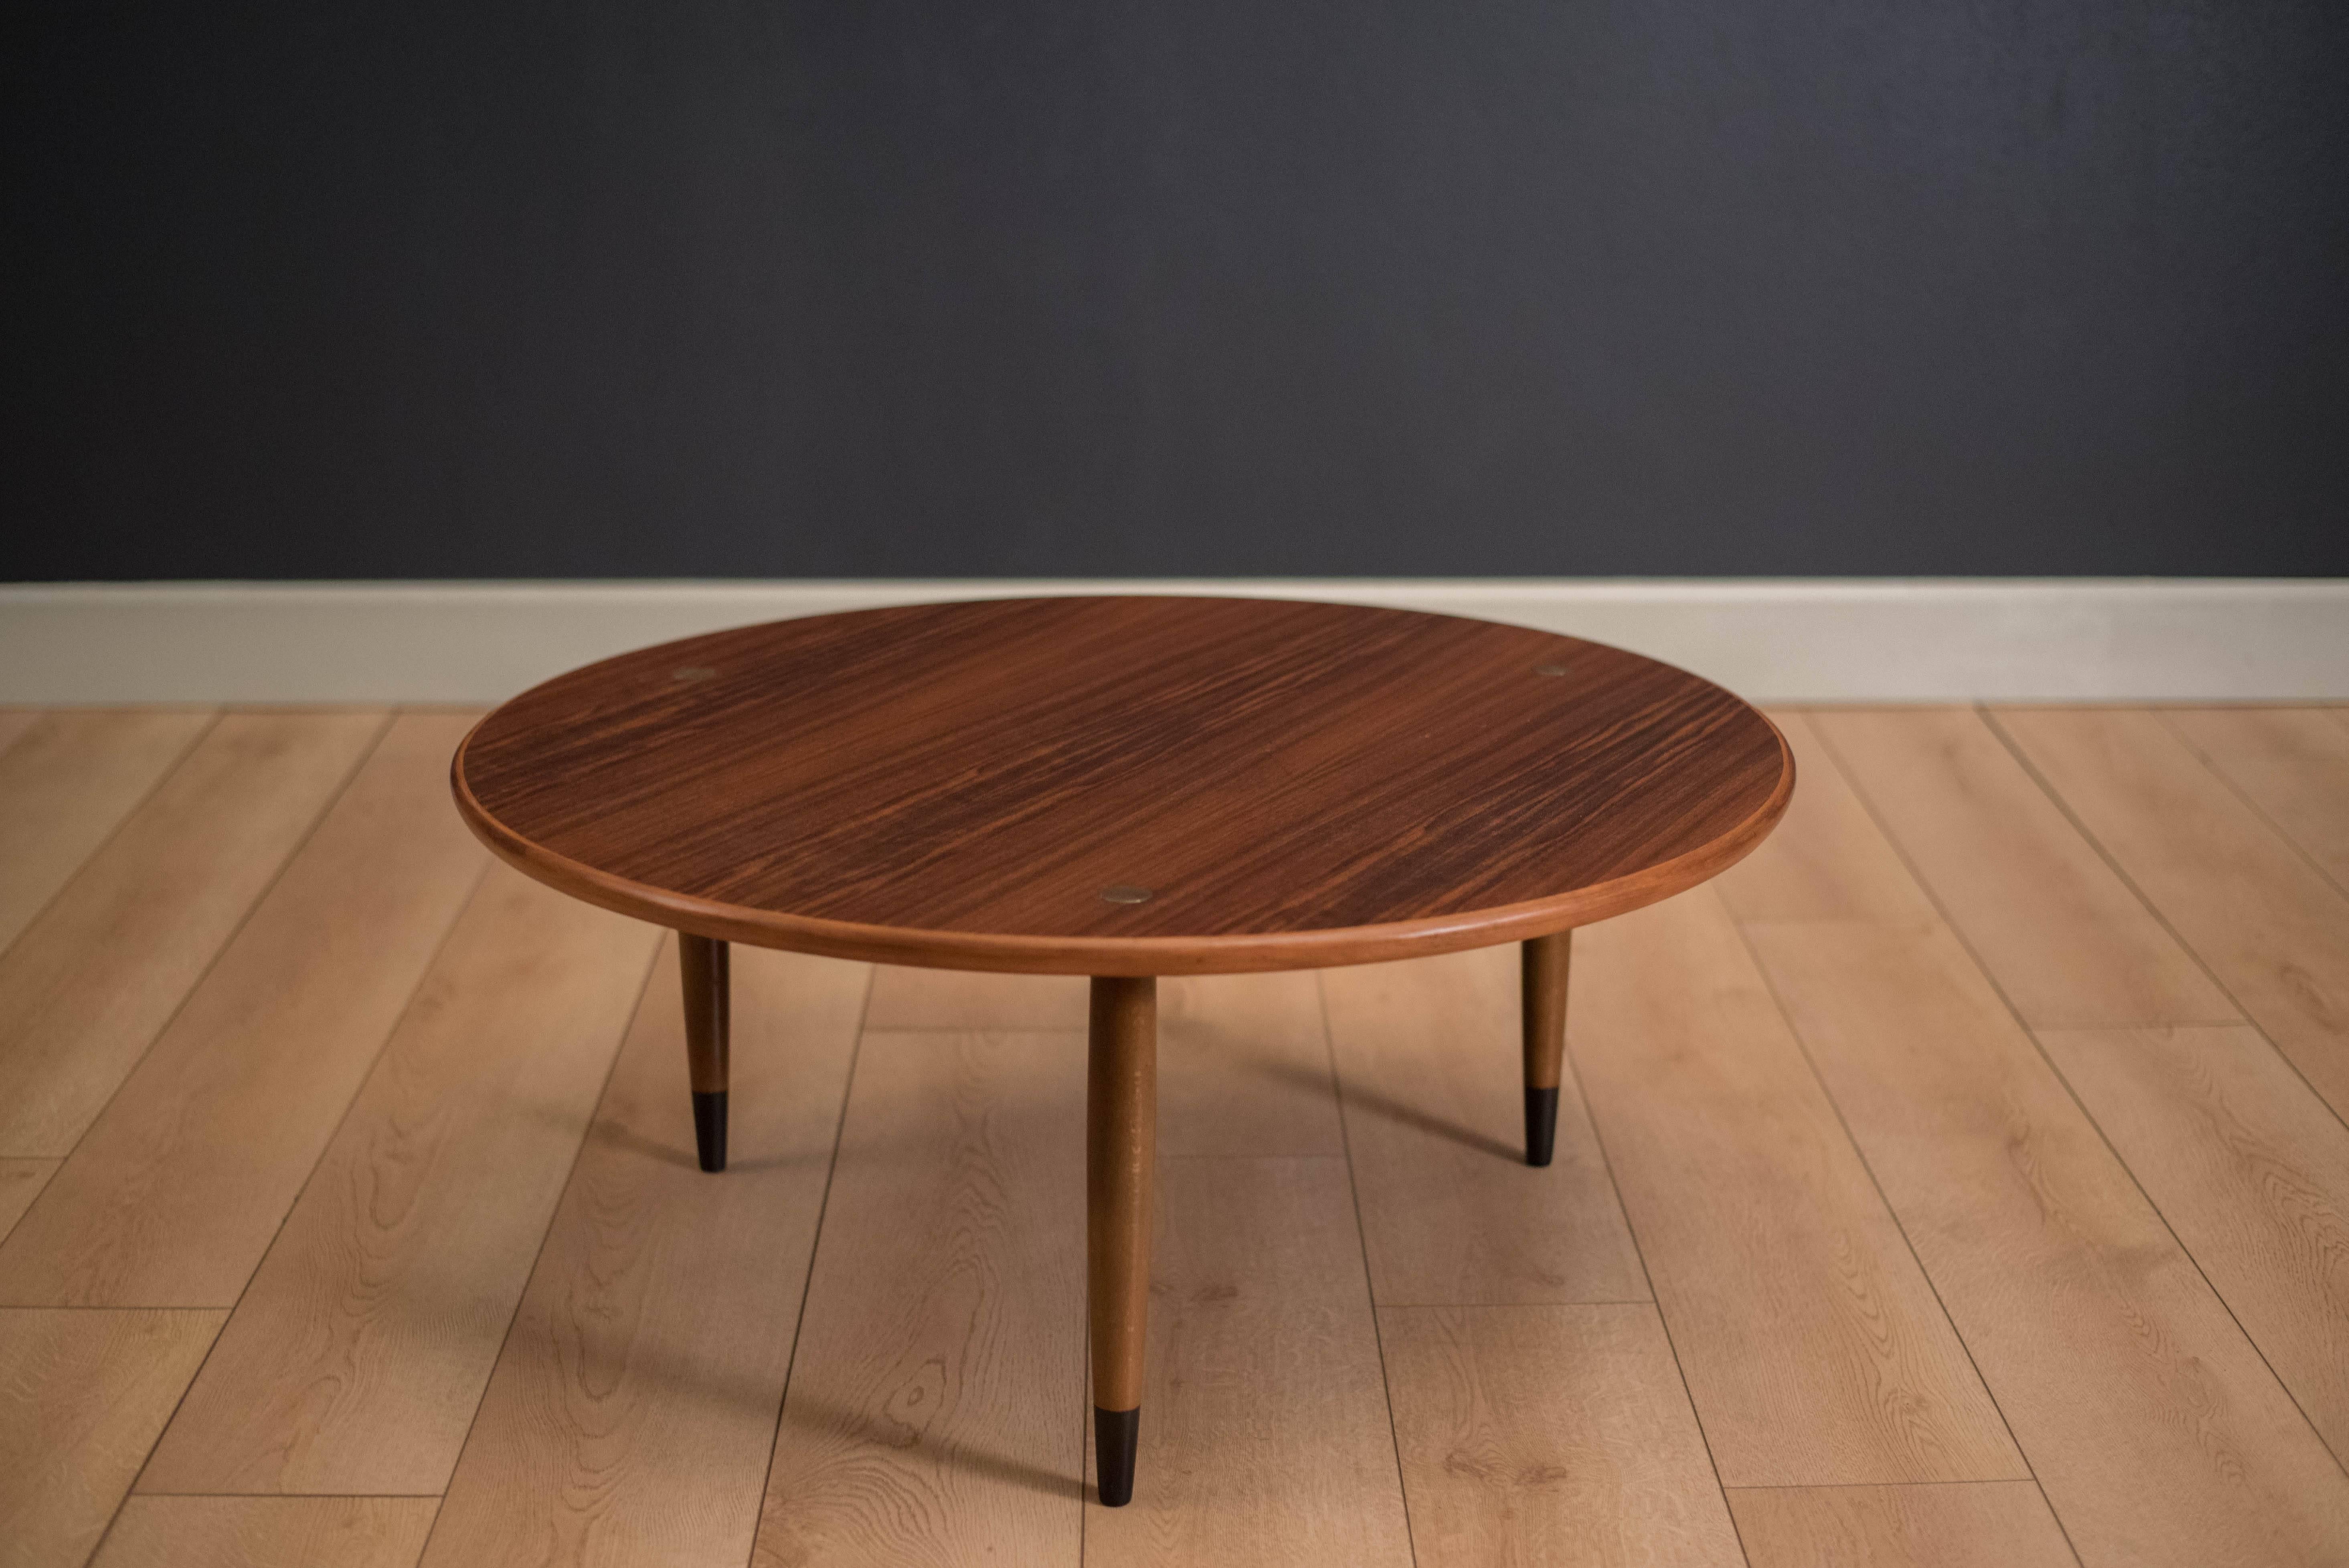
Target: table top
1139 785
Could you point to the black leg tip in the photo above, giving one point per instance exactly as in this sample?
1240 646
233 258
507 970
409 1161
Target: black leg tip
709 1128
1117 1435
1541 1125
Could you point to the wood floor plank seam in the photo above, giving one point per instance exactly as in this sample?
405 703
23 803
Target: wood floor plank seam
2072 943
1229 1154
1777 1000
395 1019
2048 787
1543 1433
398 1016
2217 771
2200 1272
1851 779
1463 1306
1270 1373
1451 1211
272 1496
2005 1002
627 1415
1696 1414
1916 1524
1852 1485
807 1279
1980 1084
234 931
341 1119
1769 980
1363 1243
1687 1394
1085 1438
2294 762
504 898
440 946
966 1028
8 1222
282 1219
1571 1077
1784 1400
99 1542
320 1531
1573 1082
935 1409
587 1129
103 1306
162 778
132 1490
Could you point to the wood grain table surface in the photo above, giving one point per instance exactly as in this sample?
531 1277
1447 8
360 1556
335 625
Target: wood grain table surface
1143 785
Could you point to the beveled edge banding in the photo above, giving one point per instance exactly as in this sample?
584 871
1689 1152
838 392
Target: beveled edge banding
1333 947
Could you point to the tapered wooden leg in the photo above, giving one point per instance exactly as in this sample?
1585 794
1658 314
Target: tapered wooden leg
1121 1144
1545 964
702 961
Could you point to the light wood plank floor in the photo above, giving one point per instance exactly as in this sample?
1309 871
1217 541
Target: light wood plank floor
1961 1179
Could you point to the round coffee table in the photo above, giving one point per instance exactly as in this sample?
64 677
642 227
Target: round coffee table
1124 788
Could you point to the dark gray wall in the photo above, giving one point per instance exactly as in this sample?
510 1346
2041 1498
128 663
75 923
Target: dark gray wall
1654 287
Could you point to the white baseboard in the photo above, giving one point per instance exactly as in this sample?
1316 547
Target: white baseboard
1804 640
